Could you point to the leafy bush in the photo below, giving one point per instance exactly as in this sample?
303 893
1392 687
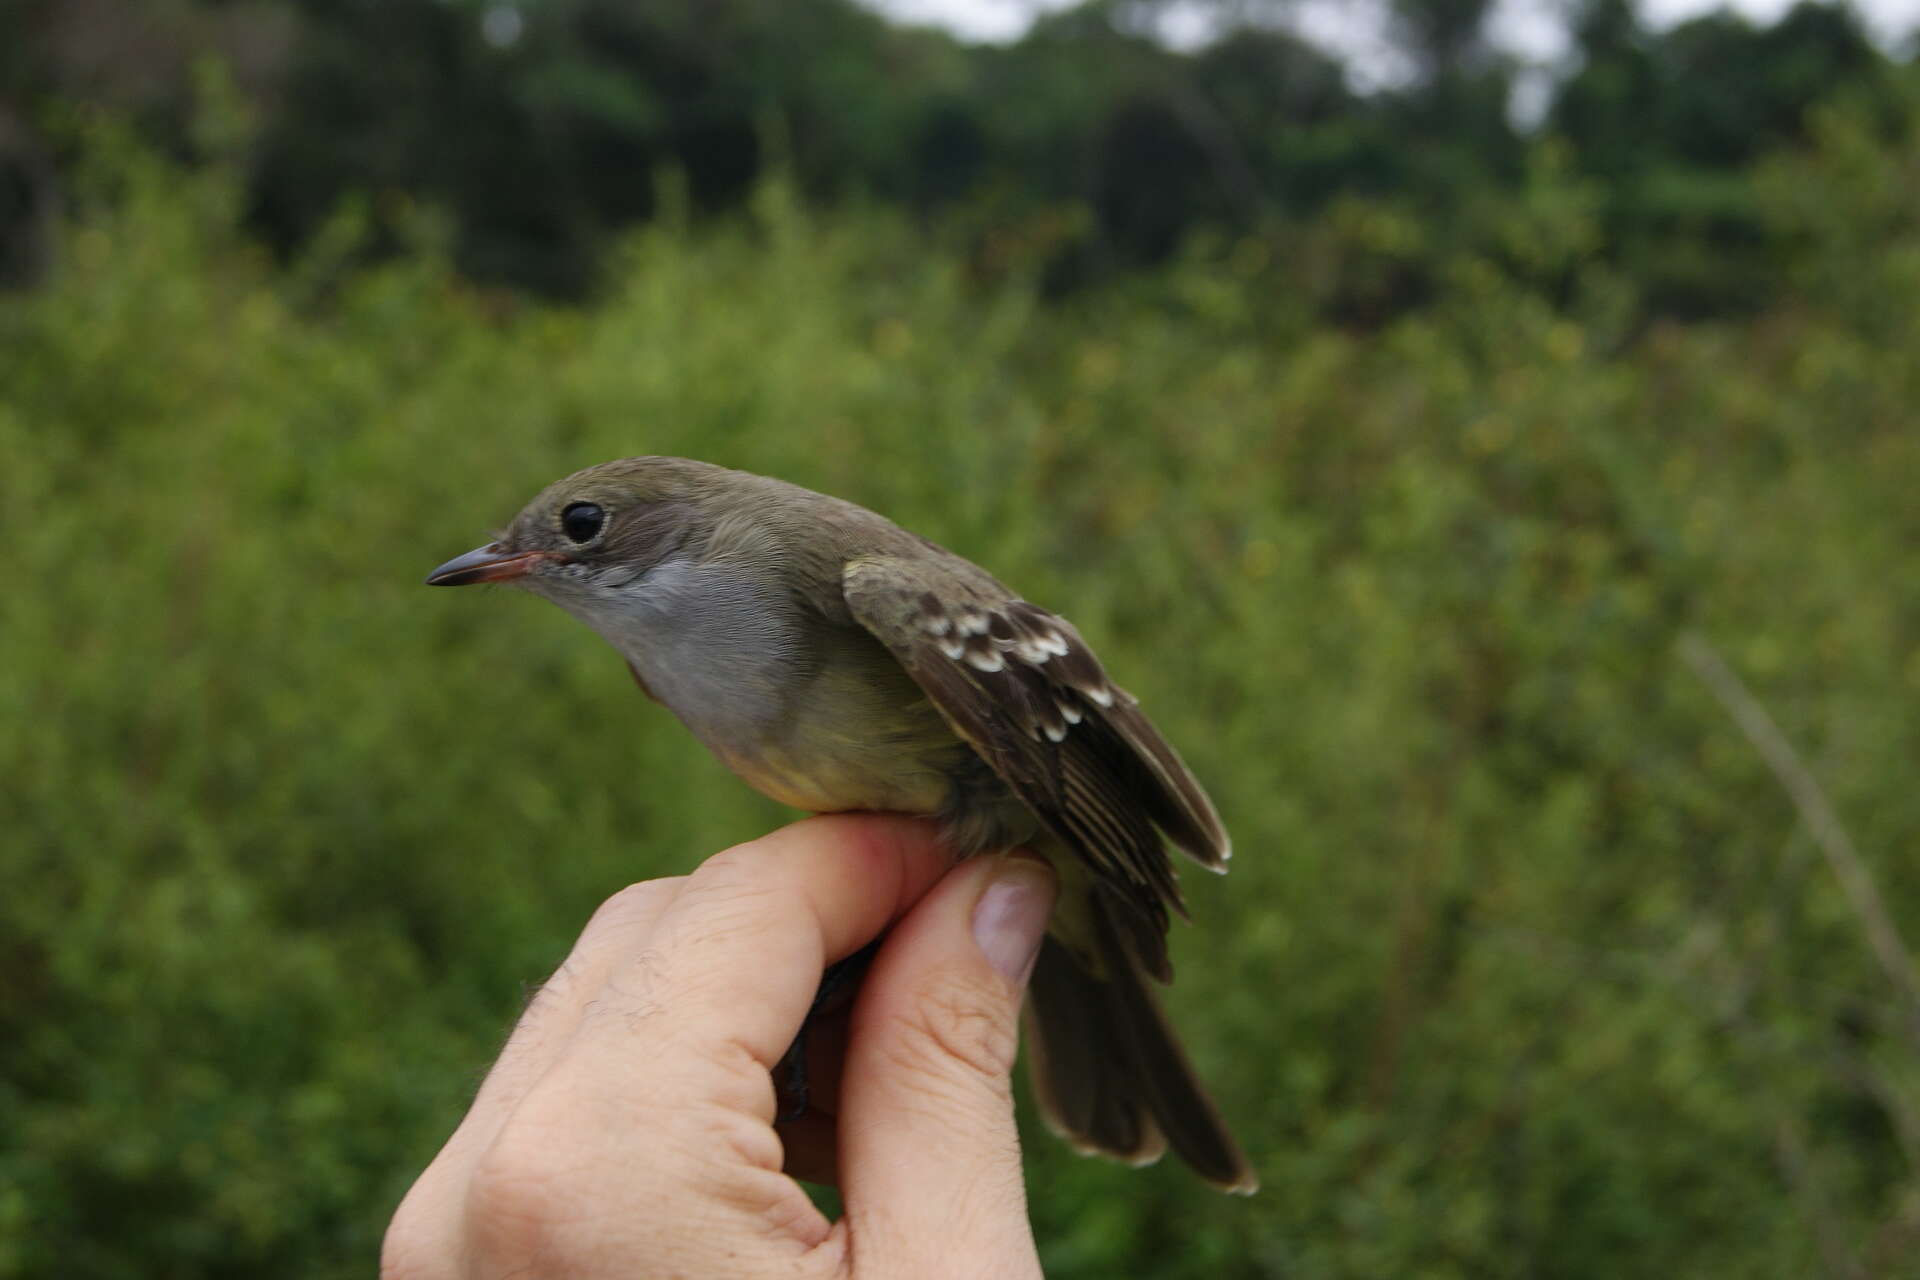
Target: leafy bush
1527 964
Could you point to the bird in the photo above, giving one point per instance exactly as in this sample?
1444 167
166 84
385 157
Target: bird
837 662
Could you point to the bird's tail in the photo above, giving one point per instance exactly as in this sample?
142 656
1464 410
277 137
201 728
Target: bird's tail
1107 1071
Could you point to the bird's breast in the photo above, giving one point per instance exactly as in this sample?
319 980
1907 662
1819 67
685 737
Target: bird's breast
855 733
816 716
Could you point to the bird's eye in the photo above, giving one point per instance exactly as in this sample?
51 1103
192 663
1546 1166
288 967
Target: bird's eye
582 522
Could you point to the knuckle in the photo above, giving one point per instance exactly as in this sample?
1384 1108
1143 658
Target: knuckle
724 1171
523 1203
729 1072
722 1136
740 865
732 1163
735 887
408 1252
635 904
559 1190
960 1027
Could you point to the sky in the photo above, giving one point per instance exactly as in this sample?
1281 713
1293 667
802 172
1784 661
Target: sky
1530 29
1533 31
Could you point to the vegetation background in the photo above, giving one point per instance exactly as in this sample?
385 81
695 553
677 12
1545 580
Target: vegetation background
1518 526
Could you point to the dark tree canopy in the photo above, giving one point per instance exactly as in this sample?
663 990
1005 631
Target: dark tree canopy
545 128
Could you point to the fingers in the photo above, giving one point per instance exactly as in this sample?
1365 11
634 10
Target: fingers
734 961
605 962
627 1119
626 1127
428 1223
929 1155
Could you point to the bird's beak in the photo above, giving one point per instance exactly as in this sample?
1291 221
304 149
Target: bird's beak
491 563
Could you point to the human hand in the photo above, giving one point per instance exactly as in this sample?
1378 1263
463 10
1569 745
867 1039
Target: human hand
629 1126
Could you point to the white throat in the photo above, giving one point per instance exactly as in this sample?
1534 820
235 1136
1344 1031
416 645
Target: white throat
720 648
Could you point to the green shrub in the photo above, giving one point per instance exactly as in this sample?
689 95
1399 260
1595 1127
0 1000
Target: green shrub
1526 966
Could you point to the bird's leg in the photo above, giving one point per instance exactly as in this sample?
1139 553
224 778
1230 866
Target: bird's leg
837 986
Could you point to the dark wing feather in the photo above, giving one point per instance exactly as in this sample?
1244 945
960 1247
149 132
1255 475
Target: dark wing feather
1022 688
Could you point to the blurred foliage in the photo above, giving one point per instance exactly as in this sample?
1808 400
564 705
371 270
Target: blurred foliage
540 127
1526 967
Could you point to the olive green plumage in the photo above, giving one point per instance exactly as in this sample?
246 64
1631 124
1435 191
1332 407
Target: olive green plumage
836 661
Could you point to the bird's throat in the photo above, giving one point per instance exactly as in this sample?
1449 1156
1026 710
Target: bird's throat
819 726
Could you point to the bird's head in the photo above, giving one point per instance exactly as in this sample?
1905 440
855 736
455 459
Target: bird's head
597 530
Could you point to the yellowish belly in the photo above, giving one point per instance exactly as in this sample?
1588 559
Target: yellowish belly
858 735
827 781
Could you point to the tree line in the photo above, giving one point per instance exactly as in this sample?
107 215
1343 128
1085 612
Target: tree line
1086 149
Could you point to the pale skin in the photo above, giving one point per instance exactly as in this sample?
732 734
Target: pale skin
629 1127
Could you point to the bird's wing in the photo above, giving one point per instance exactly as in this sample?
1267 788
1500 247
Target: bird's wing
1021 687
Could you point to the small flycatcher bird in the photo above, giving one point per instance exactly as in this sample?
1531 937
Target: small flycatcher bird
837 662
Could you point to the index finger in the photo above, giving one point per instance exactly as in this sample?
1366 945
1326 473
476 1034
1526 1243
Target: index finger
735 960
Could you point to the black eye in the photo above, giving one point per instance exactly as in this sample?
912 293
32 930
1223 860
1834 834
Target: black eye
582 521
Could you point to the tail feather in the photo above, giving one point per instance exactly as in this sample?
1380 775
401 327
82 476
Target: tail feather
1107 1072
1083 1089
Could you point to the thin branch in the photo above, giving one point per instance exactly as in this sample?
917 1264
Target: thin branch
1856 881
1796 1164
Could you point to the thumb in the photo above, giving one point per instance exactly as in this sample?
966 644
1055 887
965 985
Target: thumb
929 1155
